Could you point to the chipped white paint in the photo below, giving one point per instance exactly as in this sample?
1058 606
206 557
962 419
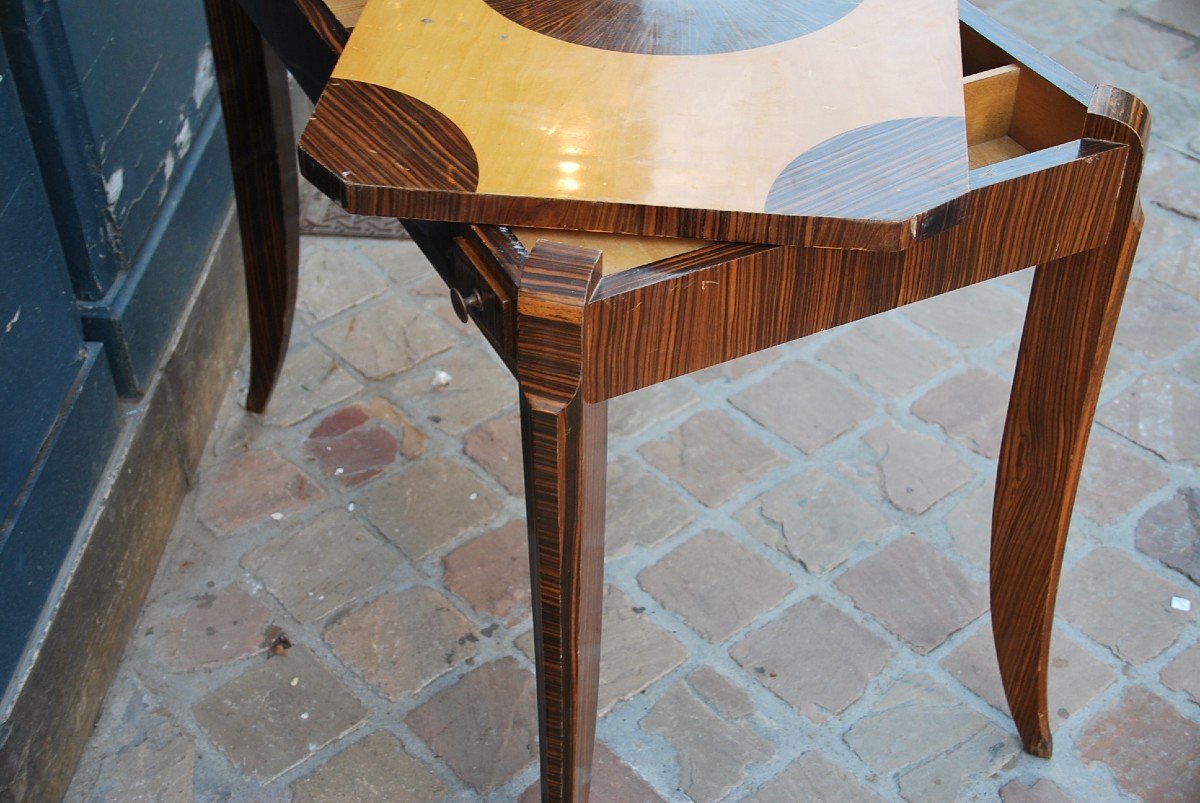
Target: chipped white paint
206 76
113 185
183 139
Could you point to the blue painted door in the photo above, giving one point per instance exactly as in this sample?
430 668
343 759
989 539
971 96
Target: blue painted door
113 184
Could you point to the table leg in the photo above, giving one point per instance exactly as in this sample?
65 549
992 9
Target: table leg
565 451
254 97
1069 327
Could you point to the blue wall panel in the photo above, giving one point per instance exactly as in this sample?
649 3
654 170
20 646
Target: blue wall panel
41 344
136 321
42 533
146 82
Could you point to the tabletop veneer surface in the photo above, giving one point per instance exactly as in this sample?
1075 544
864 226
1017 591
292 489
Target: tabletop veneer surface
760 112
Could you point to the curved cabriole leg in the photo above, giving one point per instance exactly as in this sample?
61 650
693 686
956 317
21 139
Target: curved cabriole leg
1069 326
254 98
565 445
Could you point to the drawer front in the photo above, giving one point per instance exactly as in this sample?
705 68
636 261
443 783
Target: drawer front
486 294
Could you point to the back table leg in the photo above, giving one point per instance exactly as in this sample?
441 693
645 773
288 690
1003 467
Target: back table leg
254 97
1069 326
565 445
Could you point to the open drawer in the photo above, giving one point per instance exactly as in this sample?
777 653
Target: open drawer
1011 111
991 98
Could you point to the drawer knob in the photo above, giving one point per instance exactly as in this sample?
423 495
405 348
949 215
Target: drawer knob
463 303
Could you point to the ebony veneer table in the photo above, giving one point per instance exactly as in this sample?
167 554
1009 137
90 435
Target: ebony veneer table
618 193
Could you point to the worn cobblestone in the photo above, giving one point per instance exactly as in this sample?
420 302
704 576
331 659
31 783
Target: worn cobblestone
915 592
717 585
712 456
817 683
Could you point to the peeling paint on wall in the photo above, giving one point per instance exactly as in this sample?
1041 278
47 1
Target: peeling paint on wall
205 76
113 186
183 139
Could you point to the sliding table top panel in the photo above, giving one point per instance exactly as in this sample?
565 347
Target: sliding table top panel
759 120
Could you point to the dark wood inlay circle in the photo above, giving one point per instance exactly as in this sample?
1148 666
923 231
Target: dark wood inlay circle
859 174
674 27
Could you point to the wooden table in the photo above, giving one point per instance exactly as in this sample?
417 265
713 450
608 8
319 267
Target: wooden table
890 179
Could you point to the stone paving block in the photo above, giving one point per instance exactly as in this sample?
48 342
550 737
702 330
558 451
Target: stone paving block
158 769
310 381
496 446
1183 673
524 643
1170 532
804 405
1176 264
915 592
1135 42
1171 181
431 286
717 585
218 628
722 694
332 281
713 754
399 642
250 488
886 356
400 260
1182 15
970 524
970 408
1186 74
613 781
915 471
1160 414
1044 791
640 509
712 456
812 777
484 726
814 657
1076 677
478 388
420 522
635 412
1156 320
1042 22
351 446
1116 478
278 713
634 652
491 572
1153 752
376 768
1189 367
734 370
984 755
386 339
918 718
971 317
1122 606
814 519
323 566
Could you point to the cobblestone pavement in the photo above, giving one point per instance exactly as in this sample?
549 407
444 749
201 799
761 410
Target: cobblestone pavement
797 604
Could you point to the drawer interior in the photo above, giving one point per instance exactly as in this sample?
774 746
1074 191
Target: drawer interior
991 98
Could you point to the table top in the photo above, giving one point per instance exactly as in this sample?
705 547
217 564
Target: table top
554 113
